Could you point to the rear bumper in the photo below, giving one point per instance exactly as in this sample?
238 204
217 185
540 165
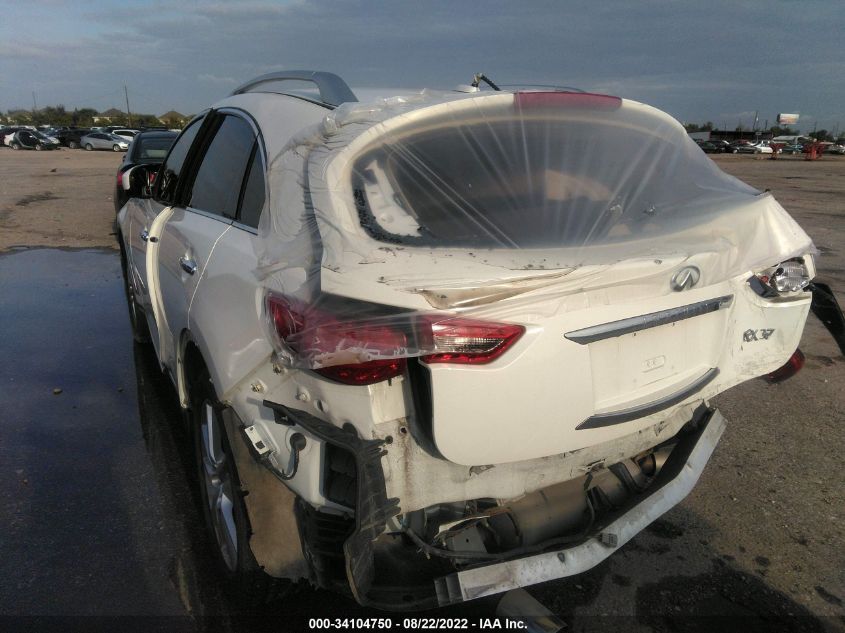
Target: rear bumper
680 478
374 509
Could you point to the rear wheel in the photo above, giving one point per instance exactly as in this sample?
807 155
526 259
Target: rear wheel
115 148
72 144
223 503
39 147
89 147
15 146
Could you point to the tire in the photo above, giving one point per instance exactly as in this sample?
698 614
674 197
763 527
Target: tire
39 147
222 500
73 145
15 146
88 147
137 319
115 148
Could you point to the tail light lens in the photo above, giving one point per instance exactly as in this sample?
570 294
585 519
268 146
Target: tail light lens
367 350
466 341
346 352
788 370
788 276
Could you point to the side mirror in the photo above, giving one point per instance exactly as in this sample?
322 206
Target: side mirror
139 181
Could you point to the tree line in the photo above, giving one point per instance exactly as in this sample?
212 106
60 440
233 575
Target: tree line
82 117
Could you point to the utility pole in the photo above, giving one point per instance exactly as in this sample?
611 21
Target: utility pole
34 105
129 114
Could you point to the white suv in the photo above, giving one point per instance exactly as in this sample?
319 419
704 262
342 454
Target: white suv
440 346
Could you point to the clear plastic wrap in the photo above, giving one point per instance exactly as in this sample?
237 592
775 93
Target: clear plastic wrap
439 224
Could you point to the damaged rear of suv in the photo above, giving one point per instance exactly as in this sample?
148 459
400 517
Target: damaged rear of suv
463 338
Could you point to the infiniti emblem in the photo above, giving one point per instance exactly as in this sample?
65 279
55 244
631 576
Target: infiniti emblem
685 278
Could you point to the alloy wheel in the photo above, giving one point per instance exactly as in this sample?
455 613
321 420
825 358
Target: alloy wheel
216 477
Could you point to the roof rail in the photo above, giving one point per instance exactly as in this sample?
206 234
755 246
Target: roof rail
333 90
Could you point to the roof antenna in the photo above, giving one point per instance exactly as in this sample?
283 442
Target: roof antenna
479 77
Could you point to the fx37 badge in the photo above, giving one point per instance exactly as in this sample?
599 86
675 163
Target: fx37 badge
756 335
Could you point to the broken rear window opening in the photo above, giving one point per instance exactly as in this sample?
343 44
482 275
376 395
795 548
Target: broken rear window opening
529 182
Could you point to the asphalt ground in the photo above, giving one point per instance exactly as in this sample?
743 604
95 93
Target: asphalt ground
100 527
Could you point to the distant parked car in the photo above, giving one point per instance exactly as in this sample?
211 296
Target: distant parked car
126 133
104 140
762 147
69 137
31 139
836 148
735 145
7 133
147 148
723 145
795 148
709 148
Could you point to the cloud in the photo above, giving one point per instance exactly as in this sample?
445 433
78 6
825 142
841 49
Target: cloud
216 80
693 59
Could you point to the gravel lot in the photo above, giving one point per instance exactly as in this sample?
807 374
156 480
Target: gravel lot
762 534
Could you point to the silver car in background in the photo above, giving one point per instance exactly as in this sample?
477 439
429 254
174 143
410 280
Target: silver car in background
104 140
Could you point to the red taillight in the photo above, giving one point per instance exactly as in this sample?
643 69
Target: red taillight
466 341
572 100
120 179
372 349
347 352
789 369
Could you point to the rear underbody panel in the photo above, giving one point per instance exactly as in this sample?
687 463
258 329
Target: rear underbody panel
374 536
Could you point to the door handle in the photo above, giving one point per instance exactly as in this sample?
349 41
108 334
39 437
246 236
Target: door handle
188 265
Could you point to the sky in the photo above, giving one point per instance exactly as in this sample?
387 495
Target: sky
705 60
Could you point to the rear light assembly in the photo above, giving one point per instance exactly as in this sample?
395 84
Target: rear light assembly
789 276
352 353
788 369
363 350
465 341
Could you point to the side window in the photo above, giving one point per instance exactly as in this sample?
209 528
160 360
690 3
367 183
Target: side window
253 198
168 181
217 186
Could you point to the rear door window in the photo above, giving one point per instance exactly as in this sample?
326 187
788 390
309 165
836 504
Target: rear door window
252 201
171 171
217 186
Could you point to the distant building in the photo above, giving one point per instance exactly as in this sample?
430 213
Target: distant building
173 119
108 116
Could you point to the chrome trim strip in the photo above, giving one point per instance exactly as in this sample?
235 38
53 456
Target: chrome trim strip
645 321
212 216
640 411
245 227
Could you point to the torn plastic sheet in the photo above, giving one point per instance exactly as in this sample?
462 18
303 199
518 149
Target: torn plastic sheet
493 206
